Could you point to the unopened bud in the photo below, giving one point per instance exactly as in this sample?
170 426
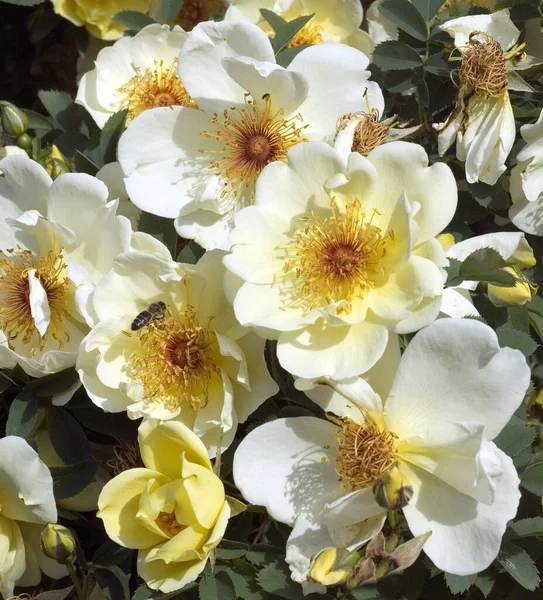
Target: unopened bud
56 163
14 120
446 240
523 255
58 543
333 566
24 141
391 491
517 295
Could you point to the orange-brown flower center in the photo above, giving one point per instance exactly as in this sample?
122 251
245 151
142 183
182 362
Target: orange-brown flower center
196 11
168 524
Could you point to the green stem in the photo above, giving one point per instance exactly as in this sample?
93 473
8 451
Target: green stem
75 581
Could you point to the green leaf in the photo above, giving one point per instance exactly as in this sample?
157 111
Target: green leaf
485 583
170 9
110 553
241 586
393 55
132 19
406 17
190 254
459 583
453 273
284 30
24 2
274 578
532 476
492 197
60 106
110 135
236 506
67 436
216 588
113 583
523 528
22 414
160 228
83 164
427 8
515 438
365 593
57 383
517 562
116 425
437 64
285 56
518 340
37 121
69 481
62 594
146 593
486 265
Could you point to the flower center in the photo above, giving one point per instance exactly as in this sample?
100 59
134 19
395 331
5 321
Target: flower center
175 361
15 312
253 137
127 456
156 87
338 257
168 524
369 132
483 67
310 34
196 11
364 453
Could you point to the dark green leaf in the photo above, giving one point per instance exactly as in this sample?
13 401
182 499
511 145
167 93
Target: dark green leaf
83 164
160 228
69 481
145 593
286 55
405 16
486 265
117 425
532 527
62 594
517 562
110 553
428 8
437 64
60 106
459 583
453 273
55 384
275 578
515 438
110 136
518 318
493 197
190 254
240 583
423 93
132 19
112 583
517 340
170 9
532 476
485 583
37 121
393 55
22 414
284 30
216 587
67 436
365 593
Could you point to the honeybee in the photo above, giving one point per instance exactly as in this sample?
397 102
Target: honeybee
156 310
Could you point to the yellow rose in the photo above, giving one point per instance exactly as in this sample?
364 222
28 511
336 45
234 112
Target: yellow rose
174 511
97 15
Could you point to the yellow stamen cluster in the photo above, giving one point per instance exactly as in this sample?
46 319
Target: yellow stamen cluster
156 87
253 137
310 34
168 524
127 456
369 132
15 314
365 453
197 11
483 69
338 257
175 361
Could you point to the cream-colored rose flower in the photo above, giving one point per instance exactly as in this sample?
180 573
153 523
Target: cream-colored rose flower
174 511
337 252
168 345
482 121
337 21
27 503
51 256
136 73
97 15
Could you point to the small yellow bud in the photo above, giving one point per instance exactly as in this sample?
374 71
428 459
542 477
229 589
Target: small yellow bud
56 163
391 490
524 255
446 240
58 543
517 295
333 566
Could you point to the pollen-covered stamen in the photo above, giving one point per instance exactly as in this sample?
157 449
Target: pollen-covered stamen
309 35
156 87
15 312
197 11
168 524
365 453
175 362
484 69
369 131
338 257
253 137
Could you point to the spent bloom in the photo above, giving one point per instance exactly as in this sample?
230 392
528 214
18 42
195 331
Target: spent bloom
452 392
173 510
27 504
482 120
50 259
167 345
199 165
337 252
136 73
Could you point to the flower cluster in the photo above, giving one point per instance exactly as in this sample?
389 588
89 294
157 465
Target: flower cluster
242 272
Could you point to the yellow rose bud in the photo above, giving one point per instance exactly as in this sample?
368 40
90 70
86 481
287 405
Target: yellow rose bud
58 543
524 255
517 295
446 240
56 163
97 15
174 510
333 566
